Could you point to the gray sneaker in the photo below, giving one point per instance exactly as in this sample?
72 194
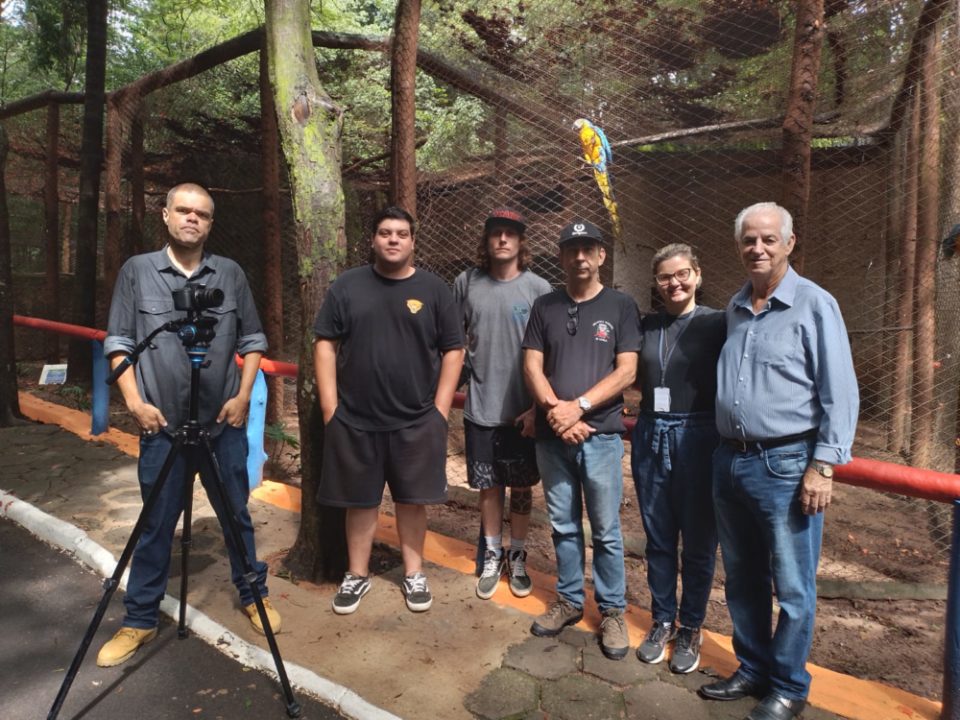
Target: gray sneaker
349 593
520 583
614 640
654 648
489 579
686 651
556 618
417 592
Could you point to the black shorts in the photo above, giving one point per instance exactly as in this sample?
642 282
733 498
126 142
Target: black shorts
499 457
412 461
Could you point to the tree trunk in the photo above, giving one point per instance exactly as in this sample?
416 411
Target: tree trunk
310 129
118 112
138 196
272 244
91 154
9 403
403 84
900 411
798 123
923 436
51 229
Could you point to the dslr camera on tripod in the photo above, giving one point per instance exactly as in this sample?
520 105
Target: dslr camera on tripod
194 297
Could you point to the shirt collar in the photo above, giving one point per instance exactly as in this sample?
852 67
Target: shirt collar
785 292
161 261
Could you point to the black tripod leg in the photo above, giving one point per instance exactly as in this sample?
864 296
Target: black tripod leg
186 542
249 573
110 584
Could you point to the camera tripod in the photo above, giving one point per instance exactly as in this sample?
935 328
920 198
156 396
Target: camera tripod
196 333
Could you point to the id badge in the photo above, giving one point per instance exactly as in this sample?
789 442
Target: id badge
661 399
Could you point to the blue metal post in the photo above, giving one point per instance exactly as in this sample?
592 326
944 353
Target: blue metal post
256 423
951 639
100 404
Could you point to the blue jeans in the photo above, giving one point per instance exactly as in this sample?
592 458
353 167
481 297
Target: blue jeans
672 466
150 566
571 474
765 538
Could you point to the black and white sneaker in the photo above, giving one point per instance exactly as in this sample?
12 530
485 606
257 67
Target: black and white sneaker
520 583
348 595
417 592
490 577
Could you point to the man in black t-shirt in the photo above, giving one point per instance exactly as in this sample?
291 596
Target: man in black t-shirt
580 352
387 357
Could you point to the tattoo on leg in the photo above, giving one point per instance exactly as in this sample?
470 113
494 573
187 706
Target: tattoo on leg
521 501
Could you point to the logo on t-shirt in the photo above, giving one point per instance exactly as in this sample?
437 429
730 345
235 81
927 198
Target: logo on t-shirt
521 313
414 306
602 330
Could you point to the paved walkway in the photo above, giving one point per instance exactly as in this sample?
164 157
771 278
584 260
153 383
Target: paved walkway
465 658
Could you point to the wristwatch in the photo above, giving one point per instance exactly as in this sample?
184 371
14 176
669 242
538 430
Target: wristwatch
584 403
824 469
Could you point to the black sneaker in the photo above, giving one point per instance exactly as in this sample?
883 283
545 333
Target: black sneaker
686 651
520 583
416 592
654 648
348 595
489 579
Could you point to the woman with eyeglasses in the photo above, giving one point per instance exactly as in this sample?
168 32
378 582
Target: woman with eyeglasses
673 442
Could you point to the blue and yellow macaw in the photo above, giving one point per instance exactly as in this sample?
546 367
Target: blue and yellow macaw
597 154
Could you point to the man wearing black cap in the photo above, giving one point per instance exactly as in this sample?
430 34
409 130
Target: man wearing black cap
495 300
580 352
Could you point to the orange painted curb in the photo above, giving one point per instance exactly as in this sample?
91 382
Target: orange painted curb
838 693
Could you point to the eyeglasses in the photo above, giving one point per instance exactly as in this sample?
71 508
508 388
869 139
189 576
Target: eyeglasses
573 321
680 275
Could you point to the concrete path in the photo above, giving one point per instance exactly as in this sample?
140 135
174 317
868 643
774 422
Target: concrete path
465 658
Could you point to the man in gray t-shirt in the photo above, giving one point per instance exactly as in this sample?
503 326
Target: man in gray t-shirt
495 300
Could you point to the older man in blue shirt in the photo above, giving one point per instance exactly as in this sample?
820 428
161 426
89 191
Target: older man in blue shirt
787 405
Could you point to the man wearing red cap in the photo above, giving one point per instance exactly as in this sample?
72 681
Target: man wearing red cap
495 300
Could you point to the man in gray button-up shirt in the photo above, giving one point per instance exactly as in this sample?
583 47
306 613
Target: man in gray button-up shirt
787 405
156 392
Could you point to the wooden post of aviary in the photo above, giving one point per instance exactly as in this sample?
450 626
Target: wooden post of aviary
51 229
798 122
403 85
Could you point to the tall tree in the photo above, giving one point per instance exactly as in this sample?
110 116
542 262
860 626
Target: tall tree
9 404
801 105
403 84
310 130
91 154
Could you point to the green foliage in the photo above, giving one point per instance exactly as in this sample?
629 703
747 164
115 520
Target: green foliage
277 432
76 395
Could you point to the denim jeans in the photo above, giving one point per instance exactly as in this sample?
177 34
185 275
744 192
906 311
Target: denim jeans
588 471
671 457
150 566
765 538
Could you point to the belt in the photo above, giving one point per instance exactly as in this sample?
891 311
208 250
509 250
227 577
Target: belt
745 445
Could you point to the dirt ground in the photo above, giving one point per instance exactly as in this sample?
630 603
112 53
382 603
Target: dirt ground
882 554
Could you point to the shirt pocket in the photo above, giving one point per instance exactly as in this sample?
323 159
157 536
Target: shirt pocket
155 312
779 347
226 325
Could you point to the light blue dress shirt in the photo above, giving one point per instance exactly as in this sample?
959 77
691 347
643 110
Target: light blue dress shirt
788 369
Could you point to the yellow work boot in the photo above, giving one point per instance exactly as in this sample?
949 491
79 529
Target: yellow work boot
254 617
123 645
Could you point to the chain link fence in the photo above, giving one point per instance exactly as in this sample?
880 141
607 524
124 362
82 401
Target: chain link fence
690 98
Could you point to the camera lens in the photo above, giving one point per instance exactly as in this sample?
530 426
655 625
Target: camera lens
208 298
